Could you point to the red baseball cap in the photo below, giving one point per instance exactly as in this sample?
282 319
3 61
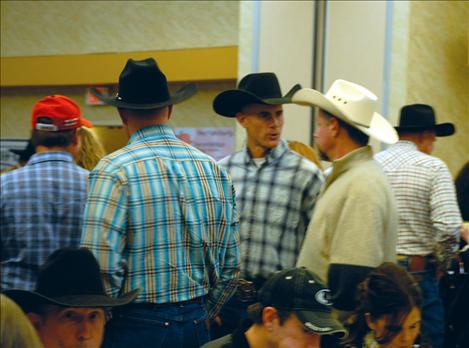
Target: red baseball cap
57 113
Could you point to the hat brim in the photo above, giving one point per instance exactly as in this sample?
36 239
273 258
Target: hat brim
321 323
29 299
85 123
229 103
441 130
179 96
379 128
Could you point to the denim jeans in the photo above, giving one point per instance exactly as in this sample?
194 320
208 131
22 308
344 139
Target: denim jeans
169 325
433 322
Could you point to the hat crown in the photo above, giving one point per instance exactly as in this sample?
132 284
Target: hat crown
296 289
142 82
62 112
417 115
69 272
356 102
262 85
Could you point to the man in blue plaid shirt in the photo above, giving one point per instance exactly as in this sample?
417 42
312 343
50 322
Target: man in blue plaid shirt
160 216
41 204
276 189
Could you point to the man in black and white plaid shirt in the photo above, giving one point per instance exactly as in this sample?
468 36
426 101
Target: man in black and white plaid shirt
429 218
276 189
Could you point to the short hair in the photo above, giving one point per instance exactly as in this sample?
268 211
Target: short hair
143 112
389 291
52 139
355 134
255 313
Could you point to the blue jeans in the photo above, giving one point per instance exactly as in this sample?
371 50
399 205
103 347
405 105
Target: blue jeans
433 317
150 325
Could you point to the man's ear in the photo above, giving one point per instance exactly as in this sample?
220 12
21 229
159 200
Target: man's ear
170 111
334 127
241 118
36 320
270 318
122 115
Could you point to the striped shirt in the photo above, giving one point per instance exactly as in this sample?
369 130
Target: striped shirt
160 216
429 219
41 210
275 199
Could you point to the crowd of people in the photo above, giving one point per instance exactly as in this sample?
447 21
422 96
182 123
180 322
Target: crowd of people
158 245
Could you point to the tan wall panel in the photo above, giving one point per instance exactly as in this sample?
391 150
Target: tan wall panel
197 64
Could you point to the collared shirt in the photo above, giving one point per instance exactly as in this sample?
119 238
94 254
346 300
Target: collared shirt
275 200
41 210
353 228
426 201
160 216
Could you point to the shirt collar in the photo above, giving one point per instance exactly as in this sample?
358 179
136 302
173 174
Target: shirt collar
154 132
348 161
60 156
405 144
271 155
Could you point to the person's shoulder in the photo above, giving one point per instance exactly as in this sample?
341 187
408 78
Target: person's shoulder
222 342
236 158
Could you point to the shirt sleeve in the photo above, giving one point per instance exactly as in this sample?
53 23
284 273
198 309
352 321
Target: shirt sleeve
309 199
229 262
445 215
104 227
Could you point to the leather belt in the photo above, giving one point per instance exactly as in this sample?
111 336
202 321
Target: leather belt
417 263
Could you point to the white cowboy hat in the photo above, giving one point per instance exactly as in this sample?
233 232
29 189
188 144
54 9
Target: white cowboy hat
354 105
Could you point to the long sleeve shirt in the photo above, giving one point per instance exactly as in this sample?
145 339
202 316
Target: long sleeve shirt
429 217
276 201
161 216
41 210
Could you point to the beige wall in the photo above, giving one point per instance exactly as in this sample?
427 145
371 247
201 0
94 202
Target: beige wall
31 28
430 65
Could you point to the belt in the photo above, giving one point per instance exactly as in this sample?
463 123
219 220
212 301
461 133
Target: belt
149 305
418 263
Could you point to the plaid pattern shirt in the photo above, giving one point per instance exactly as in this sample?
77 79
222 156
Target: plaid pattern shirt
161 216
429 218
41 210
275 201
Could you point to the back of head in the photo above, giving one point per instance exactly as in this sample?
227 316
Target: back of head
387 291
54 121
15 328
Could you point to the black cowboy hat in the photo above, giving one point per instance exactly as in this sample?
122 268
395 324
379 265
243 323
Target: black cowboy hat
70 278
421 117
258 88
142 85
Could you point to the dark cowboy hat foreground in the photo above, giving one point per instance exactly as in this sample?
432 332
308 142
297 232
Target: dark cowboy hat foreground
142 85
69 278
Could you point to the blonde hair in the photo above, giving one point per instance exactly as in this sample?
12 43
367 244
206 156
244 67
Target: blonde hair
91 150
15 328
306 151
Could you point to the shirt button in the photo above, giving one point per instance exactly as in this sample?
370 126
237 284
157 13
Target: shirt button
166 323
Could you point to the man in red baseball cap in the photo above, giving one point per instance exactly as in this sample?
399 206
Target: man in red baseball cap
41 204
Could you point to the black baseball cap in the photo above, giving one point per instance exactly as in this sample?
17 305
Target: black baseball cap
301 291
